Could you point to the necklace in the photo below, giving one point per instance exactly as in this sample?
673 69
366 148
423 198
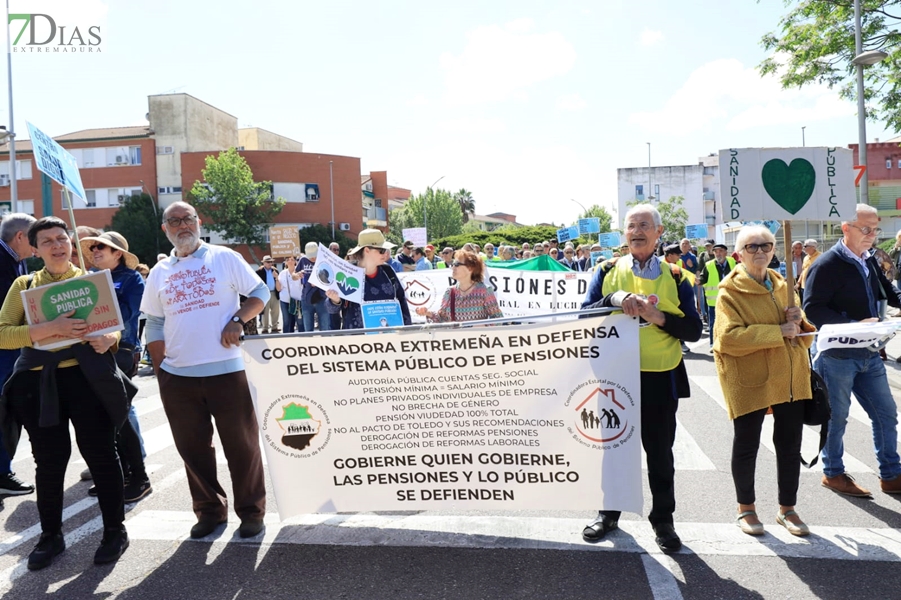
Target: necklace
462 291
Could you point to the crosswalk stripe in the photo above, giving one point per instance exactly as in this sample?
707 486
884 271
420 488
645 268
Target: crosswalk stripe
531 533
810 442
662 573
687 455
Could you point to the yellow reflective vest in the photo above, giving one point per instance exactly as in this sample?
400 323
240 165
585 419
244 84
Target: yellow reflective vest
659 350
711 288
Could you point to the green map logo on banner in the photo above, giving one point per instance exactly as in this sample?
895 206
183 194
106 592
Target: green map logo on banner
78 295
299 426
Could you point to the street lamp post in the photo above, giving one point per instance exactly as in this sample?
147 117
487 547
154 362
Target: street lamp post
425 216
861 59
13 183
650 196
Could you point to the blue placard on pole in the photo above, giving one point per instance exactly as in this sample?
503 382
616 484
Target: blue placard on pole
610 240
592 225
696 232
53 160
565 234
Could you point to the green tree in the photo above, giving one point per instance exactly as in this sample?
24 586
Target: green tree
508 236
814 43
232 204
444 216
604 216
672 214
467 203
138 219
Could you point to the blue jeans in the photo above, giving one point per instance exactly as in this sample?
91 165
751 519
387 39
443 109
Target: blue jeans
865 376
320 309
289 320
7 362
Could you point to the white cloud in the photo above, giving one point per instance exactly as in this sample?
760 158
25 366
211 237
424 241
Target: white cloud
571 102
724 93
468 126
500 63
417 100
650 37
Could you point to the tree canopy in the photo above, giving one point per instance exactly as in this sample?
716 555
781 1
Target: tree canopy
444 215
467 203
232 204
814 43
138 219
323 235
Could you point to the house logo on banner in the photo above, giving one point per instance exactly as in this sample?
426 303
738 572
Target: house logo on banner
296 426
418 293
602 417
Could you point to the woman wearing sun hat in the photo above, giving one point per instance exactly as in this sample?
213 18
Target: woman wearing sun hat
109 250
380 284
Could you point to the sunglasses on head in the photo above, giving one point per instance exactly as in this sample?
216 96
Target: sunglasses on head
97 246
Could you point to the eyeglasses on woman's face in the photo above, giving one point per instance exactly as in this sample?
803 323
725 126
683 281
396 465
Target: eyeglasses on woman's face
755 248
457 263
97 246
379 250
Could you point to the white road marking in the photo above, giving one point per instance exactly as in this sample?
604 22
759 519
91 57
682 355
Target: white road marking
662 573
687 455
543 533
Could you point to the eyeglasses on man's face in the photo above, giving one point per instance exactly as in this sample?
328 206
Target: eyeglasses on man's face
755 248
188 220
867 230
643 226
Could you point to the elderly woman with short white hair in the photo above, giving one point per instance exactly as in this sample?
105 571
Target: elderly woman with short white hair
762 363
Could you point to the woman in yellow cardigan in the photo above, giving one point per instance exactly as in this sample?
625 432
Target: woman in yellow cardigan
762 364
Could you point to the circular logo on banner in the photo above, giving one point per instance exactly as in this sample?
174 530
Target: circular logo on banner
418 293
296 426
602 414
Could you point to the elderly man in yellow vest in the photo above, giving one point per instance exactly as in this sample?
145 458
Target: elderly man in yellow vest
812 251
659 294
714 272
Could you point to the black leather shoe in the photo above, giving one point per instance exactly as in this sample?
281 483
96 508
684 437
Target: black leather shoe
112 546
250 528
600 527
667 538
49 546
205 527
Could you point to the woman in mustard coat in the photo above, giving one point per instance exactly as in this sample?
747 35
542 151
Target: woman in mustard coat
762 364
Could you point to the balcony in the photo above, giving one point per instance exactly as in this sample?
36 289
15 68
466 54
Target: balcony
709 196
375 217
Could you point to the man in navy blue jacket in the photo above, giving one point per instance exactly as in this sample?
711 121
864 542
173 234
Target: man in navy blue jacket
14 249
846 285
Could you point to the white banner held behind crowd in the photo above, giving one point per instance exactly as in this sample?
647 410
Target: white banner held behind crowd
854 335
526 417
519 293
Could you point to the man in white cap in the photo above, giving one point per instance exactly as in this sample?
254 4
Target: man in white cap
269 274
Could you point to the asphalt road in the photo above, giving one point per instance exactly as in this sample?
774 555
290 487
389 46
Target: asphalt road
854 550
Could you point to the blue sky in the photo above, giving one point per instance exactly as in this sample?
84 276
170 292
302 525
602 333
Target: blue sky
527 104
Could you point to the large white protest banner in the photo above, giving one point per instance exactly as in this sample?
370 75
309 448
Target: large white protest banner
519 293
787 183
525 417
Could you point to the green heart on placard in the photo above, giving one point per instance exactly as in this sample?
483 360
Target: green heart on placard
77 294
791 186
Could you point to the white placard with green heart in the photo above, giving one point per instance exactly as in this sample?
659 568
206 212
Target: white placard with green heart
787 184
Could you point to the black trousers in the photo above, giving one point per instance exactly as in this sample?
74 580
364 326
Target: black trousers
52 446
658 433
128 444
788 423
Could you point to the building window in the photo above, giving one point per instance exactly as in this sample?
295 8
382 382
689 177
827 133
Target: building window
25 206
899 163
657 191
888 163
639 192
378 203
90 200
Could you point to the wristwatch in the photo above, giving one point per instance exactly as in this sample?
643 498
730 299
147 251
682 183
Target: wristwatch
237 319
